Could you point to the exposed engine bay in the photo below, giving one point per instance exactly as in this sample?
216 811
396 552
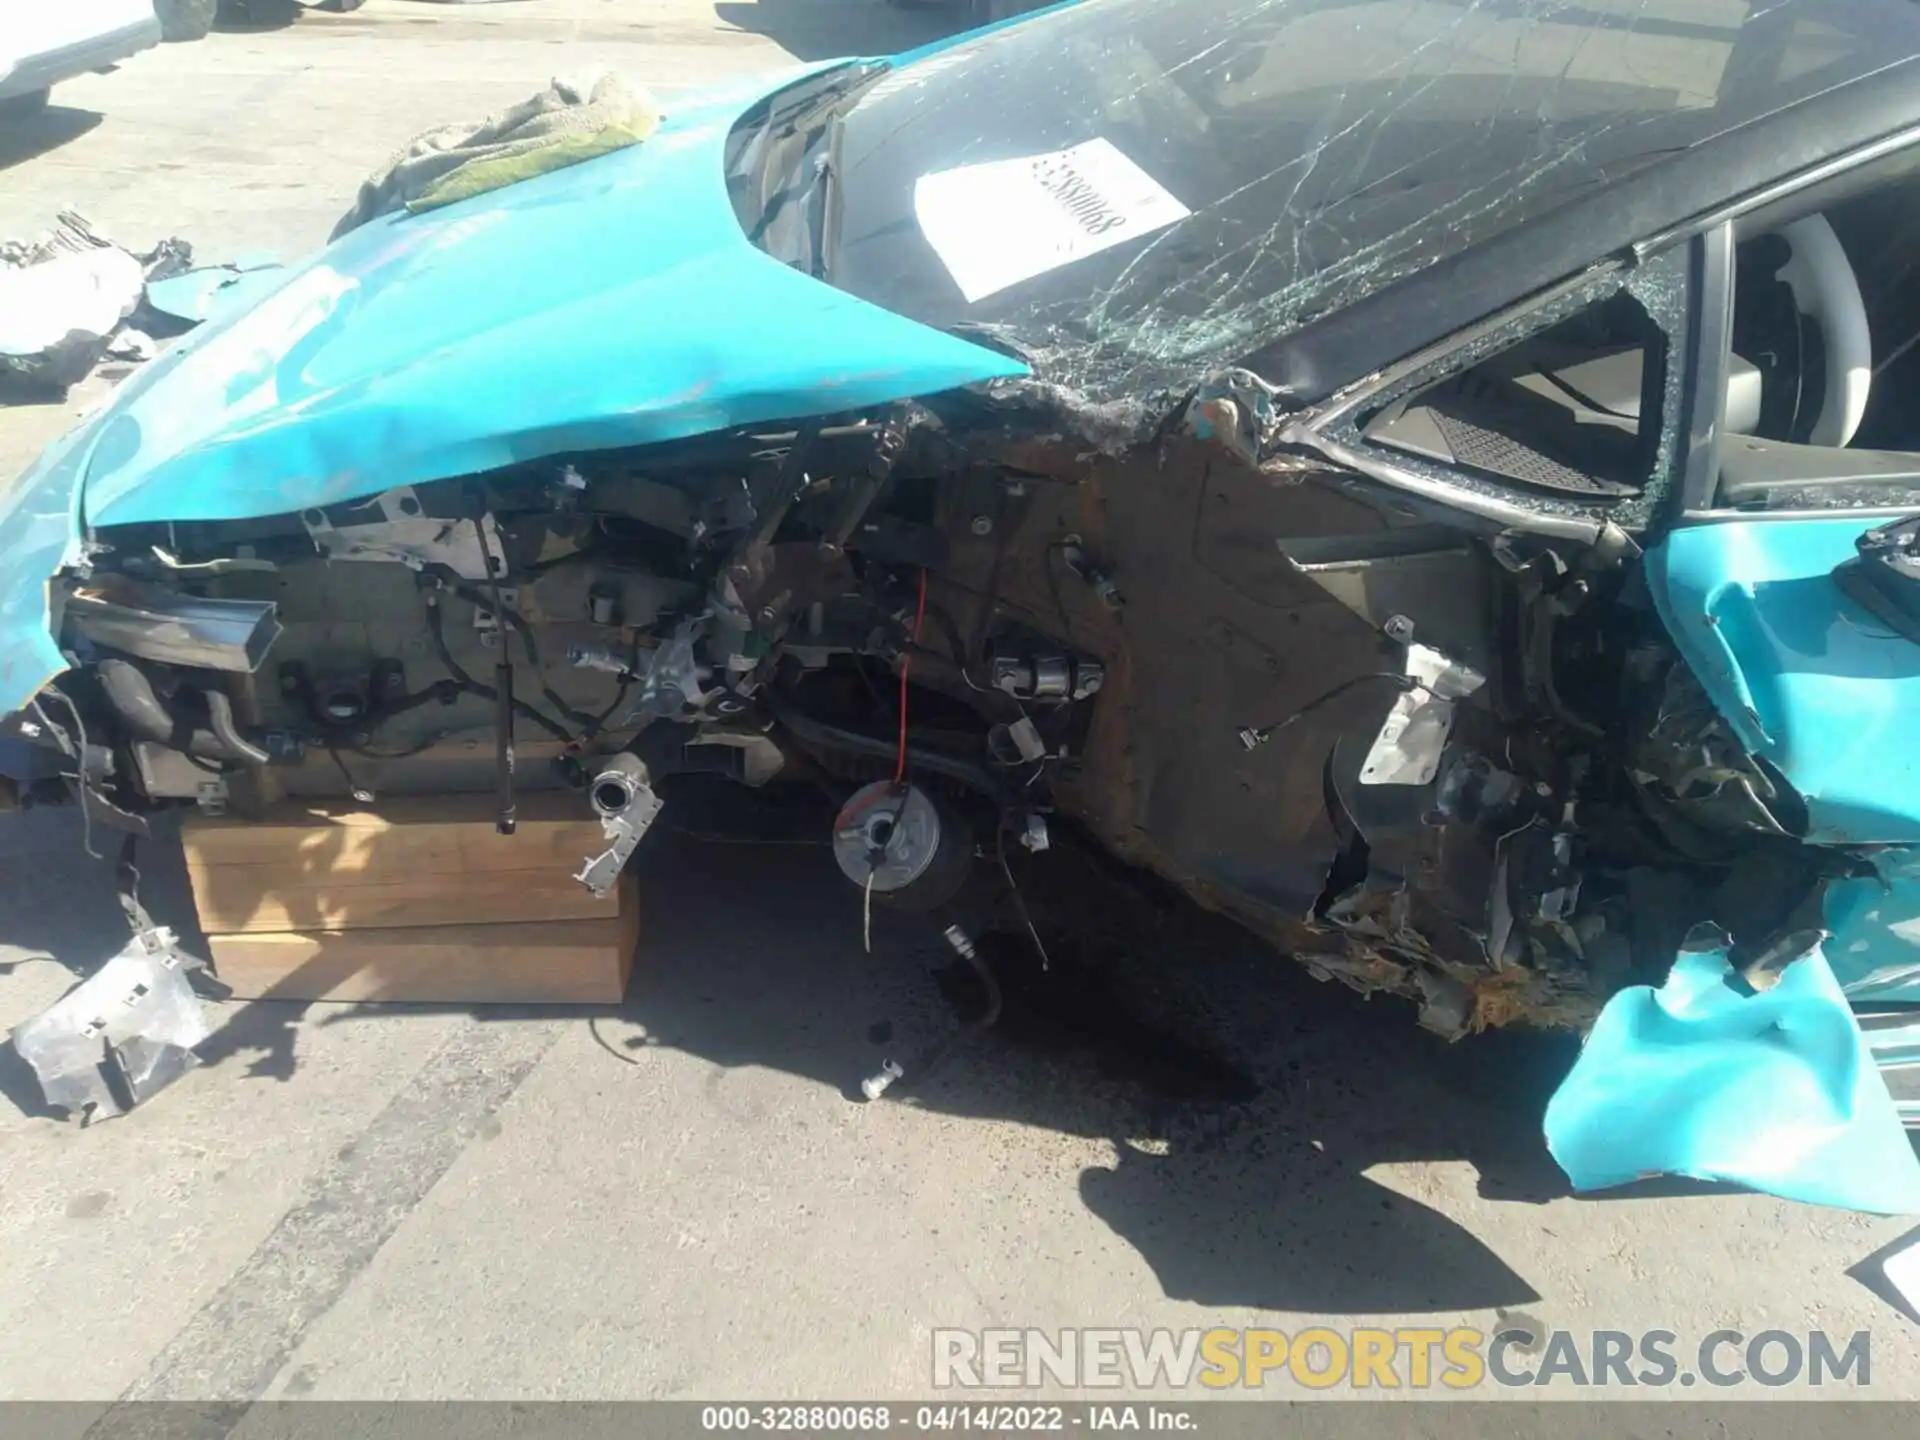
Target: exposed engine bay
1461 766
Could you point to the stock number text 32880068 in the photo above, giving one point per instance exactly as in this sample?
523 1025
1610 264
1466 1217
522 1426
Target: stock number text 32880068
875 1418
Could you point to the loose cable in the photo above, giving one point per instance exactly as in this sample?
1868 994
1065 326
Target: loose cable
906 664
1254 736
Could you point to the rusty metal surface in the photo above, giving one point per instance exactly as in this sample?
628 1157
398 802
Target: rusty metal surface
1219 629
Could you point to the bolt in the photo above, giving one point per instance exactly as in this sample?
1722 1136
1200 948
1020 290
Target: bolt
1543 789
1399 628
874 1086
981 525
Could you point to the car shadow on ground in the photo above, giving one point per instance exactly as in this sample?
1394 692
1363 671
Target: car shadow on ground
1246 1103
253 16
828 29
33 135
1244 1100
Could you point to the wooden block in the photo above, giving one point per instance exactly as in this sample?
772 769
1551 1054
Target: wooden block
576 962
417 860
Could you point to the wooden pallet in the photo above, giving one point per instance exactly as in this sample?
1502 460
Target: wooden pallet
417 900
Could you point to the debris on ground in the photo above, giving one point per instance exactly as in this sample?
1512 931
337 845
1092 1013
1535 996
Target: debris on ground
65 298
1902 1272
119 1036
562 125
131 344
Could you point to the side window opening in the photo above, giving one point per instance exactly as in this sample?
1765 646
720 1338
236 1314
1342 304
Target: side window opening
1571 411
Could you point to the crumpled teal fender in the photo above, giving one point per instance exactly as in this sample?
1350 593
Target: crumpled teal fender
1808 680
614 303
1704 1077
39 535
1778 1090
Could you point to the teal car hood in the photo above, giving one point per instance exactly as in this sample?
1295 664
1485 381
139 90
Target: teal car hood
614 303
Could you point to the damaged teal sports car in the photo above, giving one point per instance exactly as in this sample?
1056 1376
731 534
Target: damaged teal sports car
1437 480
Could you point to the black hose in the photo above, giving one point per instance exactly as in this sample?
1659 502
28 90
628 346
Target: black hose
599 722
1254 736
929 1065
443 692
949 627
128 690
820 734
504 616
473 687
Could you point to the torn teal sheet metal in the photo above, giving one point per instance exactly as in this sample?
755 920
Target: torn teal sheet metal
1809 681
1775 1090
1875 924
613 303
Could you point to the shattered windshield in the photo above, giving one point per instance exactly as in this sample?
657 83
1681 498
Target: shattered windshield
1127 192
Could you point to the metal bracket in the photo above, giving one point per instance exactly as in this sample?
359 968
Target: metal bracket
670 680
623 832
486 624
122 1034
622 796
397 529
1408 748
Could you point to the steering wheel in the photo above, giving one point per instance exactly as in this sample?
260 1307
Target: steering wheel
1826 291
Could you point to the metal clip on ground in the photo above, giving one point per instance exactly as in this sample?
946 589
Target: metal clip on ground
874 1086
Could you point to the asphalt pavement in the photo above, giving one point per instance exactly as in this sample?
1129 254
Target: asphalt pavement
1174 1127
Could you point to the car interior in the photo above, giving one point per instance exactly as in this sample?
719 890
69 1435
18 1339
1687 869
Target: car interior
1828 309
1559 412
1818 413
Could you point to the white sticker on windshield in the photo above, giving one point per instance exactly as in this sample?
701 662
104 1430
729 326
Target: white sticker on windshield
997 224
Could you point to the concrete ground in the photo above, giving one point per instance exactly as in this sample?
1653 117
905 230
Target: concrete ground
678 1199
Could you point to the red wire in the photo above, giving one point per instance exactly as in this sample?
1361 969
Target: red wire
906 662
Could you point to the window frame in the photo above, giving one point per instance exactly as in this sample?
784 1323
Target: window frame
1717 234
1333 428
